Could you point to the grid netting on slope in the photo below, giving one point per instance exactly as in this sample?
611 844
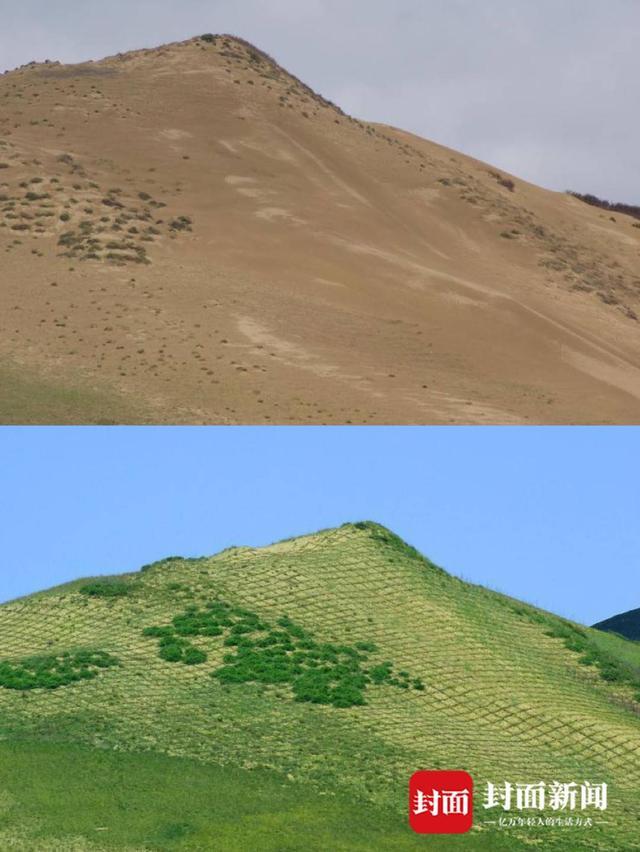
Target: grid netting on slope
501 698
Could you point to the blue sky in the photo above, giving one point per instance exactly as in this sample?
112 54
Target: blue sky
542 89
549 515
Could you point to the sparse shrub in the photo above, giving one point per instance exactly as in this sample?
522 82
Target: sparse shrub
112 202
120 246
615 207
608 297
67 239
503 181
208 37
182 223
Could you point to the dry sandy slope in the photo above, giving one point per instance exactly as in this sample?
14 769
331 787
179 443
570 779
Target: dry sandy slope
327 270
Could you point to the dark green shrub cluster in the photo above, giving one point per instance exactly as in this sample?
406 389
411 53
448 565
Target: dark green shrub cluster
106 589
51 672
321 673
211 621
208 37
173 649
177 587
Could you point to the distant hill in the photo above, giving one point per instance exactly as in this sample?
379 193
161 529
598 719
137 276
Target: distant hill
191 234
316 675
626 624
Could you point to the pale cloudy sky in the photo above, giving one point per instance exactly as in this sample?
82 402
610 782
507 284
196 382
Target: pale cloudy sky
546 89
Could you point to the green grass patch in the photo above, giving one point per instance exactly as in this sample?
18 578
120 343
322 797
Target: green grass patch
155 802
27 398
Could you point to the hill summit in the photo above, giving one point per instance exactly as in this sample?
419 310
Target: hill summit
343 661
192 234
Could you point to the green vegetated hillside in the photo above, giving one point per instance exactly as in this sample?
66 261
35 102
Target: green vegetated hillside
279 698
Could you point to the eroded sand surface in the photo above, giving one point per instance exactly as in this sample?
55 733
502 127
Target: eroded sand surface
194 230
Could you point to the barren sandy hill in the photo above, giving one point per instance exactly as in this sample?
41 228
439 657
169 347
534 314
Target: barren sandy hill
190 234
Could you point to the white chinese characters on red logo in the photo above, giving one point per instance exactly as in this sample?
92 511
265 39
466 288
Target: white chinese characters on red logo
441 802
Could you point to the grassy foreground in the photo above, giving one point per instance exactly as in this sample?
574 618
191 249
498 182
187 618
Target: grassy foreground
26 398
284 695
65 796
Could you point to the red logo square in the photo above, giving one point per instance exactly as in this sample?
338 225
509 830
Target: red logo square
441 802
